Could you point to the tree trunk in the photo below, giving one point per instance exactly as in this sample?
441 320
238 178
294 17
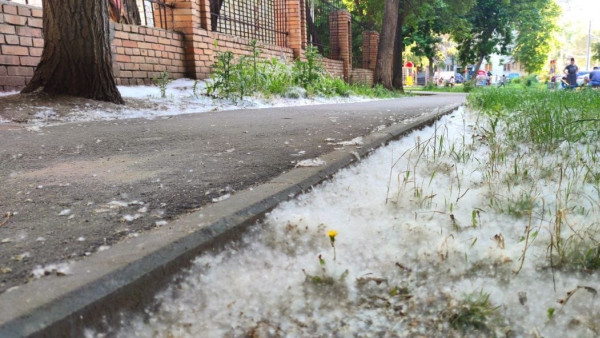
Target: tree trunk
431 70
398 50
479 62
385 57
76 59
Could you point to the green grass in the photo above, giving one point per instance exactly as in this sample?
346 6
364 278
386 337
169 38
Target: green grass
458 88
553 138
474 312
541 117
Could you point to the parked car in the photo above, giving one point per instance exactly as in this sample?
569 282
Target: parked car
513 76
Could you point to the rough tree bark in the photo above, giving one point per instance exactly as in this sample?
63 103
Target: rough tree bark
430 70
385 57
477 66
76 59
398 50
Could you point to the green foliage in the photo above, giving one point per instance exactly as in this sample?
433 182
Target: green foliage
596 51
531 80
223 84
542 118
481 34
536 23
468 87
162 81
278 77
235 79
580 254
474 312
308 73
485 34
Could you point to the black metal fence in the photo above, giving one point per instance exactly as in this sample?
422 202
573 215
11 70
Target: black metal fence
263 20
320 28
318 25
156 13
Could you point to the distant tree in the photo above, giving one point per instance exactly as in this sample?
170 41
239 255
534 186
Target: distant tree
535 26
489 30
76 59
422 22
367 12
596 51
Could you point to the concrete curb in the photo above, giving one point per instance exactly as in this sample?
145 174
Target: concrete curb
127 276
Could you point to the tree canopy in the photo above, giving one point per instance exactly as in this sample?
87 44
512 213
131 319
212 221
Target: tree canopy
596 51
522 29
536 22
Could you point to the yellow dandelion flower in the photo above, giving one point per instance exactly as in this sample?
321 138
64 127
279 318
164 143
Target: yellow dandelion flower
332 234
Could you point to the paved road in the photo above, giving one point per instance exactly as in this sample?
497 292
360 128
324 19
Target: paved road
77 187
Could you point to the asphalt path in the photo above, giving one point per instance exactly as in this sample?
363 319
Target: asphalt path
68 191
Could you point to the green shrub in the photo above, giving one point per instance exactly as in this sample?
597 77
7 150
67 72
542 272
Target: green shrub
162 81
467 86
429 87
531 80
474 313
222 84
308 73
235 79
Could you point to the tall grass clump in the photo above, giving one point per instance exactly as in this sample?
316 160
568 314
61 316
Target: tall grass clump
474 313
551 139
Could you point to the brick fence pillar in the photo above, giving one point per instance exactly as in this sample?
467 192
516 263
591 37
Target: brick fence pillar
190 16
293 16
340 30
369 49
304 37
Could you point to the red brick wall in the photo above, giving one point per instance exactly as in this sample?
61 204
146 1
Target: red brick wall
340 32
334 67
241 46
21 44
363 76
142 53
370 49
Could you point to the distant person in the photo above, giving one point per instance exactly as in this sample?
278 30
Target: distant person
564 84
595 78
571 72
452 81
502 80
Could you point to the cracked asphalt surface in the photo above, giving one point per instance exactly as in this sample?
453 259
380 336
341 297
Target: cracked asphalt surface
70 190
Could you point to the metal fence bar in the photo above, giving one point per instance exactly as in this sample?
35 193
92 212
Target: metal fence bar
155 13
319 27
252 19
